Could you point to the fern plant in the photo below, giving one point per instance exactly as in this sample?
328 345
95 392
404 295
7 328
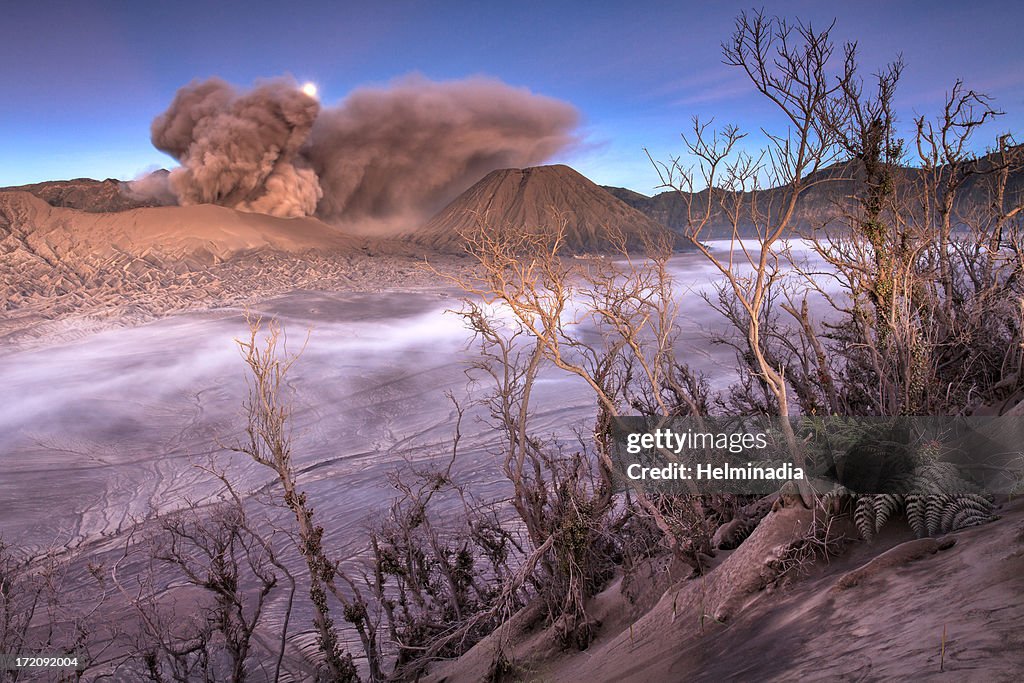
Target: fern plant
905 465
935 501
927 514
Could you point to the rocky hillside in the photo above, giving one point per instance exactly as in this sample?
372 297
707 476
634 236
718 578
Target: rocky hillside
93 196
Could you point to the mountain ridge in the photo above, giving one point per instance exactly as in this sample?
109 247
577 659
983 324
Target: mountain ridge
834 187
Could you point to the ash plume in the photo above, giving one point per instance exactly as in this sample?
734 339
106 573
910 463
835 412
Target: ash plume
413 147
381 156
150 186
241 149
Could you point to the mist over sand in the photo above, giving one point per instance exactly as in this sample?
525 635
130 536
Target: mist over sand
126 413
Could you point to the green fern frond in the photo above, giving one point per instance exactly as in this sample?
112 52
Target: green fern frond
915 509
934 506
864 517
927 515
887 505
901 484
943 478
833 500
966 511
935 498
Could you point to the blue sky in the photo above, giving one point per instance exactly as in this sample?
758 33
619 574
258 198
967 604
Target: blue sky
82 81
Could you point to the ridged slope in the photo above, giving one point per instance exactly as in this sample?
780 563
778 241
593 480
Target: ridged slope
539 198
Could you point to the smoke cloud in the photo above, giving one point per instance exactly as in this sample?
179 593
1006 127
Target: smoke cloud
152 186
240 149
413 147
382 155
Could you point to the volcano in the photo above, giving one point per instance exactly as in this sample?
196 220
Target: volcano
540 198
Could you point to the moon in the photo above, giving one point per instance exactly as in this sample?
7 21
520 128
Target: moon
310 88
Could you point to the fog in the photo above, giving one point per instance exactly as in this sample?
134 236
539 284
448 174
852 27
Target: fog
107 430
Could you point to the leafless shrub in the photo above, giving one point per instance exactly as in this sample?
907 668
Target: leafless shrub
438 561
929 320
612 325
788 64
220 552
41 614
928 317
268 410
819 543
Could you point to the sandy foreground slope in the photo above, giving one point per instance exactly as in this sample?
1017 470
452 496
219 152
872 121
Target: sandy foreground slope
877 612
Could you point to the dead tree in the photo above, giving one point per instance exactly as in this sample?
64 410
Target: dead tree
788 64
944 151
268 411
928 321
611 324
